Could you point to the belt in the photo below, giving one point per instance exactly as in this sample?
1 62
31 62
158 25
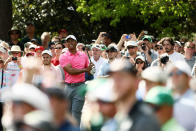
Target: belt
74 84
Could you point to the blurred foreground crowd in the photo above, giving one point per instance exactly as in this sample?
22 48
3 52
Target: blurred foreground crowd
58 84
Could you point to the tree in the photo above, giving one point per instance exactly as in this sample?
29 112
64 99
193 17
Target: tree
5 18
162 17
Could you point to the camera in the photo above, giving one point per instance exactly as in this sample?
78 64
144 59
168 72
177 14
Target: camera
143 46
164 58
14 58
128 37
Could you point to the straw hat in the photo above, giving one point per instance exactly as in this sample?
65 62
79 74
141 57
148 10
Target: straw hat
15 48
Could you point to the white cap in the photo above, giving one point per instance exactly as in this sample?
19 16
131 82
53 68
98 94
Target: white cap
181 65
106 92
178 42
131 43
2 50
113 45
140 57
96 46
32 46
47 52
71 37
154 74
80 44
29 94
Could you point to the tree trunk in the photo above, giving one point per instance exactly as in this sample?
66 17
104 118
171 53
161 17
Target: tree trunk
5 18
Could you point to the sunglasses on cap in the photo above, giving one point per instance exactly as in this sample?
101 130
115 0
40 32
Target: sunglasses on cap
139 62
178 72
130 47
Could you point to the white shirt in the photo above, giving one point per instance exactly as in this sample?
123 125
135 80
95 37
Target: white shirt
176 57
184 110
98 64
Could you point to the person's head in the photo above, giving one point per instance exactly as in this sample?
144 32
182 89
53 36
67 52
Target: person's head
14 33
125 78
154 76
140 62
159 49
30 29
3 53
96 50
46 57
26 98
32 48
168 45
58 48
35 41
71 42
161 100
180 74
58 100
148 41
132 47
102 90
189 48
15 51
112 51
38 51
80 46
106 39
52 48
63 33
178 46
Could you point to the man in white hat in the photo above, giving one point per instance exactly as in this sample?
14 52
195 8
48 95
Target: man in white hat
96 59
178 47
13 65
75 64
184 107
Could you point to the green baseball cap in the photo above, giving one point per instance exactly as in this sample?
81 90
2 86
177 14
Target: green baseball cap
159 96
147 37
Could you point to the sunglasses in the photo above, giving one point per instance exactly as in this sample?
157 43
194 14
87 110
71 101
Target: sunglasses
58 48
139 62
130 47
159 48
178 72
15 52
189 47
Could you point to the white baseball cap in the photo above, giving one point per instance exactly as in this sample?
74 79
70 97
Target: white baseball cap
71 37
2 50
178 42
29 94
96 46
181 65
140 57
32 46
131 43
154 74
47 52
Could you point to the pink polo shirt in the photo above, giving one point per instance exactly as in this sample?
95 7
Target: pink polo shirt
77 61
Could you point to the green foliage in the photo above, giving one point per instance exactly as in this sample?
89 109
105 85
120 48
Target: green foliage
167 17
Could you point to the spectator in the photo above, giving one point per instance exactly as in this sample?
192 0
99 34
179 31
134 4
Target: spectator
13 65
3 53
63 33
30 30
140 64
35 42
74 64
161 100
159 48
38 51
52 48
24 99
60 105
132 49
96 59
147 49
184 112
178 47
104 38
168 47
189 51
80 47
140 116
15 35
58 51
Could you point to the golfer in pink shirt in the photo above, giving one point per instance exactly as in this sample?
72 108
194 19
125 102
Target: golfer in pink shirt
75 64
